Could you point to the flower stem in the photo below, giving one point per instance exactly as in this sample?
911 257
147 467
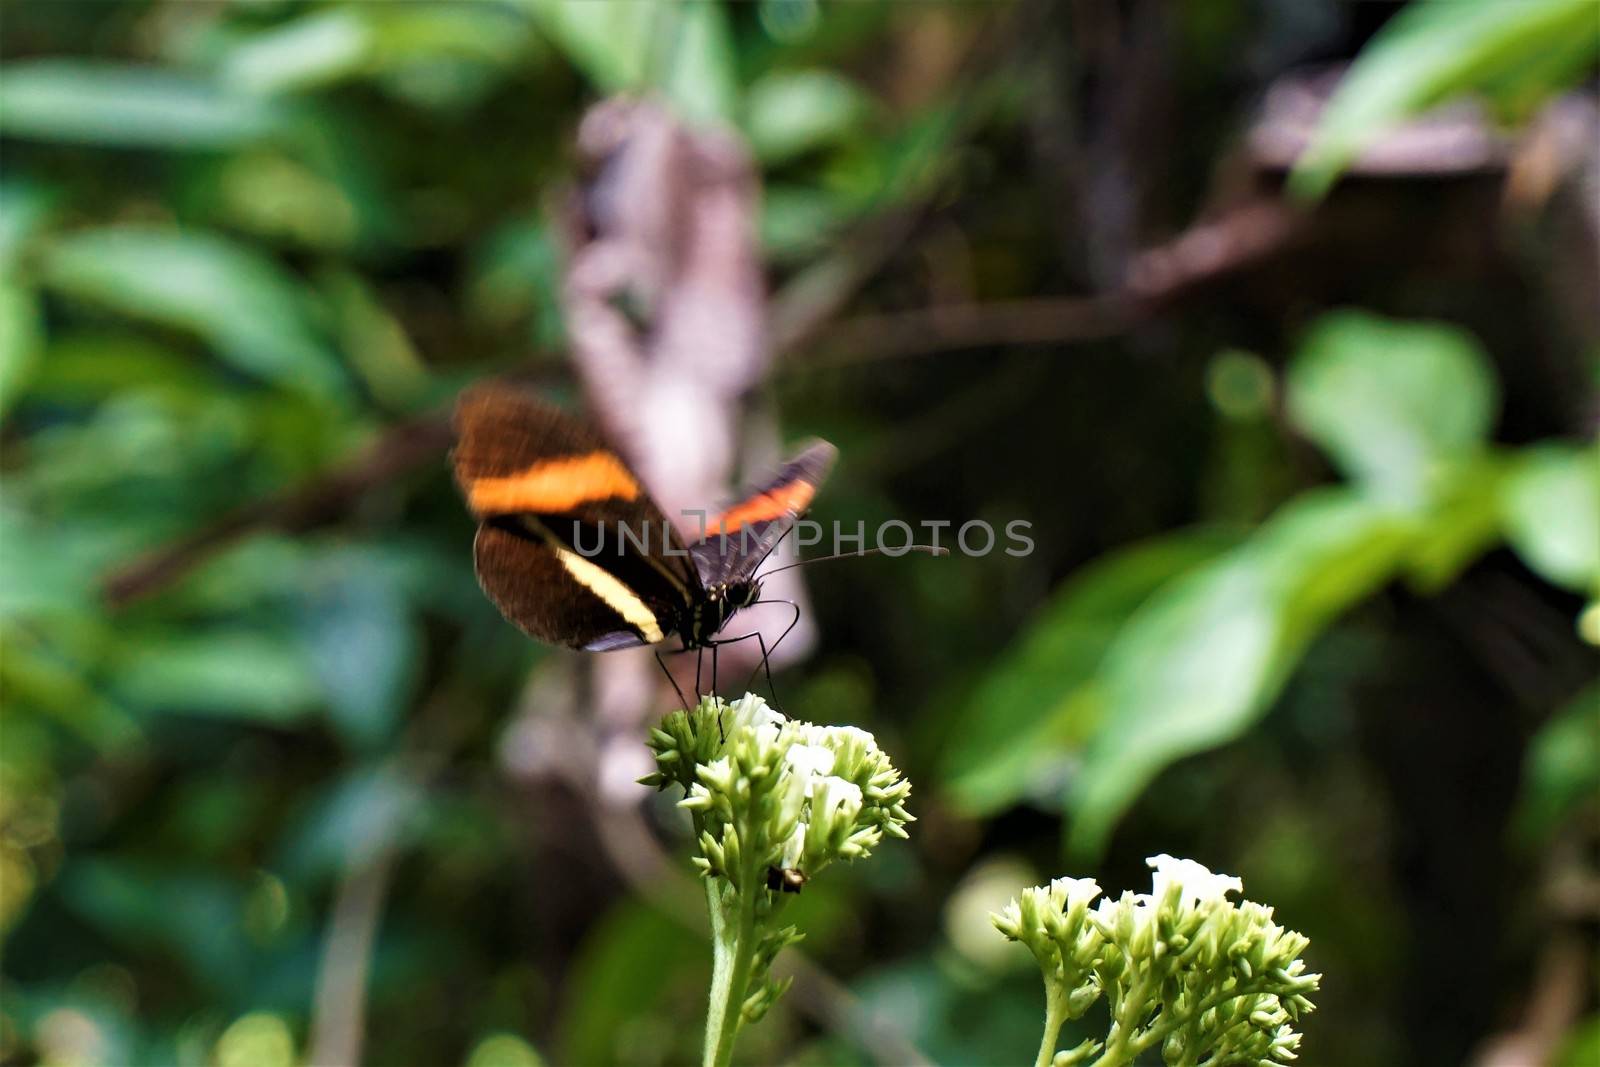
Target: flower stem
1055 1013
1122 1046
733 955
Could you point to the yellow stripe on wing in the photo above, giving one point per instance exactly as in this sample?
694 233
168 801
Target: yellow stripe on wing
618 597
602 583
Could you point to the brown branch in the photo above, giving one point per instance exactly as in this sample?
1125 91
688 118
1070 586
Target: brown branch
1554 1007
402 448
1237 238
344 967
889 335
817 294
338 1025
1234 240
814 296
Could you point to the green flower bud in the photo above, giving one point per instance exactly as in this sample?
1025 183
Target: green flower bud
1081 1000
1083 1053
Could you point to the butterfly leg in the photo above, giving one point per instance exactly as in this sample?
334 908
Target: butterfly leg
721 734
766 653
663 665
766 666
763 665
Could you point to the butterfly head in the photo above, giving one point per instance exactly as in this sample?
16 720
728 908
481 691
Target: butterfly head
743 593
721 600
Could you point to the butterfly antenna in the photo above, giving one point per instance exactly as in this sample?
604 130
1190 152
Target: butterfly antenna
768 553
932 550
766 653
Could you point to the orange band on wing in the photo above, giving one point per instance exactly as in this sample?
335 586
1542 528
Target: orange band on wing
554 485
772 504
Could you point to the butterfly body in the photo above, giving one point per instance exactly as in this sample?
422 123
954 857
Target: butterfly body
572 549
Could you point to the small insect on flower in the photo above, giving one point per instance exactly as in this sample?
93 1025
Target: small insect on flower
785 879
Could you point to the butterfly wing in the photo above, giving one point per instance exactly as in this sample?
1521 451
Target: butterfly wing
741 537
553 499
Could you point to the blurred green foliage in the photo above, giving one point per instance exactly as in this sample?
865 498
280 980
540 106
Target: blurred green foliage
1509 56
1310 552
1167 649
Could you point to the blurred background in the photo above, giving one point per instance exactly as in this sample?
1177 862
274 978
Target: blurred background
1277 320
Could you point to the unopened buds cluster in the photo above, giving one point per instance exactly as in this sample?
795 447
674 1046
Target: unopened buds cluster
1183 969
774 801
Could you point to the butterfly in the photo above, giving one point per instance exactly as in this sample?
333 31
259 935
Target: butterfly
573 550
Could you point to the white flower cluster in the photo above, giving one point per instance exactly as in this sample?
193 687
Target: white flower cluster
776 798
774 801
1183 968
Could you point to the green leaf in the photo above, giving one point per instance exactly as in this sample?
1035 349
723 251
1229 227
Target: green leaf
699 78
48 571
193 914
365 812
798 221
20 339
626 964
45 677
950 1021
239 301
413 35
247 576
684 50
83 367
1581 1046
1036 706
380 351
517 273
148 458
608 42
1461 523
1392 403
1202 660
1551 512
789 113
434 55
504 1050
24 209
1432 50
363 643
118 104
224 673
270 193
305 53
1561 770
333 147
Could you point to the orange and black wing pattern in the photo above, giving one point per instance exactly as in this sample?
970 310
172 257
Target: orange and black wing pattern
553 500
737 540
